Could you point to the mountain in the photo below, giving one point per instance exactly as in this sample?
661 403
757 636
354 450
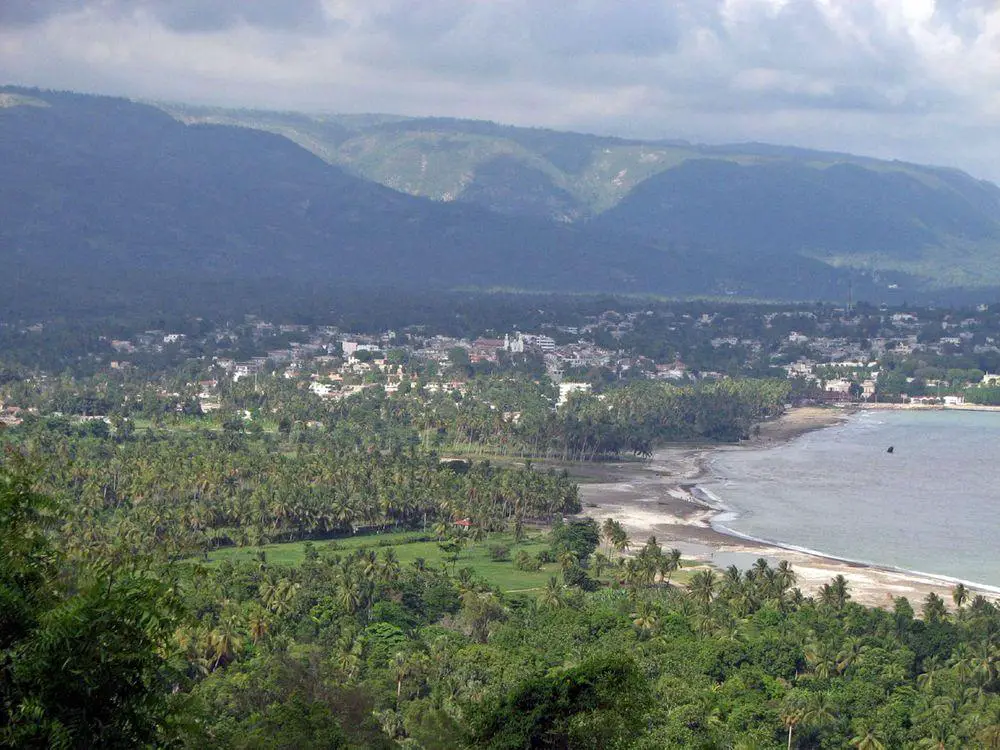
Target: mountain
925 227
117 199
940 225
112 204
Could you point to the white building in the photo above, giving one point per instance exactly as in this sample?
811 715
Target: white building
565 389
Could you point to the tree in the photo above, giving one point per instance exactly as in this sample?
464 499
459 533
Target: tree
701 587
868 738
479 610
792 711
553 594
934 609
82 654
960 595
835 593
670 563
599 704
645 618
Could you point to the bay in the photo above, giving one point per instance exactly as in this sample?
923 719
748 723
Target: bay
932 505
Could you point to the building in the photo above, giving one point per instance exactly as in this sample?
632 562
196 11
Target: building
566 389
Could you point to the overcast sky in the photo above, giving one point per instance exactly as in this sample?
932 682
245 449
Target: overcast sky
910 79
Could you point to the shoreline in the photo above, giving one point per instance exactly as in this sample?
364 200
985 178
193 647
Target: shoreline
662 498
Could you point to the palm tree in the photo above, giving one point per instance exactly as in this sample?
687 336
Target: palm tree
934 609
792 710
732 582
988 728
834 594
348 657
841 594
786 576
224 641
848 655
601 562
868 738
926 680
821 658
389 570
567 559
631 572
609 530
645 618
960 595
403 666
620 541
761 566
669 563
820 710
259 624
552 595
701 587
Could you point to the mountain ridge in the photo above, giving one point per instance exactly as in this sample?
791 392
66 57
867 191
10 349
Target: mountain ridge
98 188
580 178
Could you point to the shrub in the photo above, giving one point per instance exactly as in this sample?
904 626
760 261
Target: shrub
524 561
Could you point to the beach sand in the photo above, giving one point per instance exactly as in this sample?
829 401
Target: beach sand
660 498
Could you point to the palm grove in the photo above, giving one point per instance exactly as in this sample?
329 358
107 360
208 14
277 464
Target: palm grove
117 628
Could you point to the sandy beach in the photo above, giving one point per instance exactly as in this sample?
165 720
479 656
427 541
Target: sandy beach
660 498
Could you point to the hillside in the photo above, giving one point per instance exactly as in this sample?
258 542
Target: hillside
889 219
105 199
107 203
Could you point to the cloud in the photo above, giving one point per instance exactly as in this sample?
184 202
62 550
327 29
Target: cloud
179 15
913 79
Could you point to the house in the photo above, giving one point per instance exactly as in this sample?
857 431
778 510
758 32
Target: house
323 390
10 416
244 369
514 345
839 385
567 388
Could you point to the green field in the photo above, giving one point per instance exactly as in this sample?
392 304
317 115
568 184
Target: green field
408 547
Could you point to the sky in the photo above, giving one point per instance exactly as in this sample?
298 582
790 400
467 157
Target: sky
917 80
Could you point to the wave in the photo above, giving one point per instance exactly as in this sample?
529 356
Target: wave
727 514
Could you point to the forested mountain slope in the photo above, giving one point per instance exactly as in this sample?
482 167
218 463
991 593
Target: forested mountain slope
111 203
108 202
103 191
886 217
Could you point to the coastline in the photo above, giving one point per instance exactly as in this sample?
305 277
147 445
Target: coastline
662 498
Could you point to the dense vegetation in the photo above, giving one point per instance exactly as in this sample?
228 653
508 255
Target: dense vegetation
357 651
183 492
629 419
140 603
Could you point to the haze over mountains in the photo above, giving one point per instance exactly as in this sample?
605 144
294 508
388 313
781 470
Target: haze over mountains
107 199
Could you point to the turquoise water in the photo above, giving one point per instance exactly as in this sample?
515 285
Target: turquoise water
933 505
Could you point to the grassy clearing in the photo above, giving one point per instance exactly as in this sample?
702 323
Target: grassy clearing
409 547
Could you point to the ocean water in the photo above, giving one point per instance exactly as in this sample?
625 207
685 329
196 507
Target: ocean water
933 505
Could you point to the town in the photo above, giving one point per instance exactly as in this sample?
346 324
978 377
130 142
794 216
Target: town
828 354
